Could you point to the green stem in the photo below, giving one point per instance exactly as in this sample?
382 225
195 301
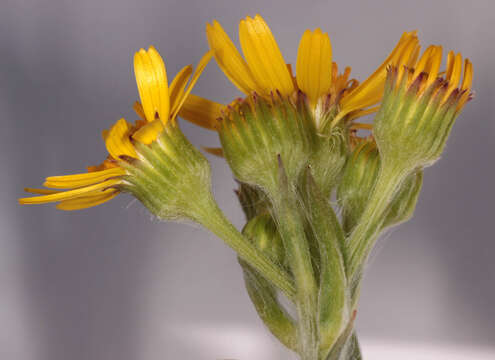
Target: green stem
215 220
364 235
333 297
264 297
291 228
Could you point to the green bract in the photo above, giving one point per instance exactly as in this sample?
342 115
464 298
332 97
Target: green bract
255 132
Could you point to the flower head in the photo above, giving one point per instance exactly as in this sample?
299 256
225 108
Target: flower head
420 106
159 105
264 71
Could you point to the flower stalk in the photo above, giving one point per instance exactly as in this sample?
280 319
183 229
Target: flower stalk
291 228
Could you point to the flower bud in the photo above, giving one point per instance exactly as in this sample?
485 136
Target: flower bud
358 178
357 184
253 200
261 230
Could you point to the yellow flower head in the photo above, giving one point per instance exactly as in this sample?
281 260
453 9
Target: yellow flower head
419 108
264 71
160 103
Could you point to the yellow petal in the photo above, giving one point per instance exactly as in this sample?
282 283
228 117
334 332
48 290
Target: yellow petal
197 73
201 111
360 113
177 87
118 142
434 65
79 180
314 65
70 194
370 91
41 191
466 83
151 79
429 63
229 59
263 56
138 108
88 201
454 70
468 75
149 132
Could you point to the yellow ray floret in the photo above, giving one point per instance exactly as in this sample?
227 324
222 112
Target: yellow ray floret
264 70
178 86
229 59
118 140
429 63
90 190
151 79
263 56
314 65
89 200
370 91
80 180
201 111
149 132
455 83
159 104
94 187
194 79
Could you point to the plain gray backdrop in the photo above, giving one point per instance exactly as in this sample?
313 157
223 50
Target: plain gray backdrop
112 283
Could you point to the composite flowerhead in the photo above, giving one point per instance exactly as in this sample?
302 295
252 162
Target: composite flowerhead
420 106
262 69
160 104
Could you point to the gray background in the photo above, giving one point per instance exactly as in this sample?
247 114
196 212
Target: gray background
112 283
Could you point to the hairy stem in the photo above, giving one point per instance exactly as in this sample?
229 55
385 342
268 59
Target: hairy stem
365 234
215 220
291 227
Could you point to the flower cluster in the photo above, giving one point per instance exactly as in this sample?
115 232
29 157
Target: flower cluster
293 143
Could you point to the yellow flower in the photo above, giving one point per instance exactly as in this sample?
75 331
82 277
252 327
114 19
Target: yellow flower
419 108
263 70
159 104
